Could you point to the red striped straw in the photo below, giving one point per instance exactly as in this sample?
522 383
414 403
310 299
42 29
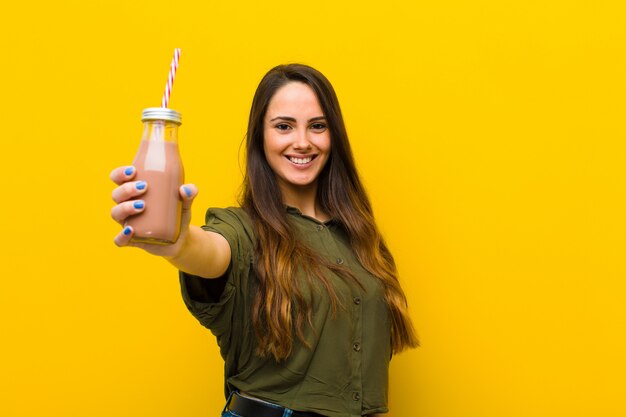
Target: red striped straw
170 78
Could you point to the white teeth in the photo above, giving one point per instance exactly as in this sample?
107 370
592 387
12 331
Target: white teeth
300 161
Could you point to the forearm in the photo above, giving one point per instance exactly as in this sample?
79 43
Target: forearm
204 254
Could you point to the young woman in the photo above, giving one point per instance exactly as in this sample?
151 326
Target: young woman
297 284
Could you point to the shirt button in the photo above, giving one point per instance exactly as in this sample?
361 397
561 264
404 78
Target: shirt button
356 347
356 396
357 300
320 227
339 261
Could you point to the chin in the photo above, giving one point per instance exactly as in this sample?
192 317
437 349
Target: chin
302 182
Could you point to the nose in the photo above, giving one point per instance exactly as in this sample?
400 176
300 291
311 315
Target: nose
301 140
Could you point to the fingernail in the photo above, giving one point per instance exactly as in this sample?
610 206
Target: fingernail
127 230
138 204
129 170
140 185
187 191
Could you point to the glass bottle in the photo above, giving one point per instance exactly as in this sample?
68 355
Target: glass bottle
158 163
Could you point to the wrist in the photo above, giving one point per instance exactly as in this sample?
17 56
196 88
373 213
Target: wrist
182 246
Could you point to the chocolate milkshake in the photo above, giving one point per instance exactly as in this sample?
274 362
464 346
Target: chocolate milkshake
158 163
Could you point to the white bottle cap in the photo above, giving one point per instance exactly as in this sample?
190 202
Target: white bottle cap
161 113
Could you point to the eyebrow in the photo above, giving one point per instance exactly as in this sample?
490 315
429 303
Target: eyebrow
292 119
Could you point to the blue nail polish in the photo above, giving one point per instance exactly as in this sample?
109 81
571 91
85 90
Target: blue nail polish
138 204
127 231
140 185
129 170
187 191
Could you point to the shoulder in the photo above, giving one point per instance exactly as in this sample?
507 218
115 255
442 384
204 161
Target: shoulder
233 221
228 214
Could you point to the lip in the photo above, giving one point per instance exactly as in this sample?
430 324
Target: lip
308 164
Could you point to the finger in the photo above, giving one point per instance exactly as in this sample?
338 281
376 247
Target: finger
123 238
129 190
123 174
188 192
123 210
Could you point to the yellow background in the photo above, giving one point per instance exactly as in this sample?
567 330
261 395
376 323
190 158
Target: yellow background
490 135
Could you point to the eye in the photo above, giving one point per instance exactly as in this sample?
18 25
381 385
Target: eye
320 127
283 126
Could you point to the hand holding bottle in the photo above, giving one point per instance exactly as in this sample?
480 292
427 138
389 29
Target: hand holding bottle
128 196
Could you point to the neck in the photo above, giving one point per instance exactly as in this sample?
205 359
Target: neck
304 199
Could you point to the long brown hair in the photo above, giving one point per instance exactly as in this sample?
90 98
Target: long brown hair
280 310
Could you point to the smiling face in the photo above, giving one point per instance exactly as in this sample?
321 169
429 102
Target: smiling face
296 137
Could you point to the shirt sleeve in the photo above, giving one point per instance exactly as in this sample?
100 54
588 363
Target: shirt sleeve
213 301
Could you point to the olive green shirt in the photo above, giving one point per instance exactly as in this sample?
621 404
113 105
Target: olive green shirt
344 373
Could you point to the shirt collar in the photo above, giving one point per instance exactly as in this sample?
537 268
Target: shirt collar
295 211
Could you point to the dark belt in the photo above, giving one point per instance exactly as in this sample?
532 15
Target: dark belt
247 407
